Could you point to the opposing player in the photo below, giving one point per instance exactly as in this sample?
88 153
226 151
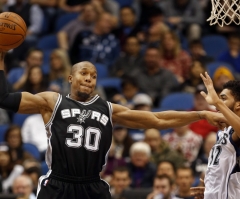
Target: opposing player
79 130
222 179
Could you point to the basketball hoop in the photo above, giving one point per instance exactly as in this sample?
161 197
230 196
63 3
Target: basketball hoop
224 12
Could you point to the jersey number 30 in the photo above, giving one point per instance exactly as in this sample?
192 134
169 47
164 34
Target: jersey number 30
91 141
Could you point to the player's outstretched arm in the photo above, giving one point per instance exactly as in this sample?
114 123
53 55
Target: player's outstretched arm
23 102
213 99
161 120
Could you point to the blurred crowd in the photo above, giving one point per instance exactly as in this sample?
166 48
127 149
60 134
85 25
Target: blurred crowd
145 51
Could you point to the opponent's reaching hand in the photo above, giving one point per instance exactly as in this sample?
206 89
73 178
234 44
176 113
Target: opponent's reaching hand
212 97
197 192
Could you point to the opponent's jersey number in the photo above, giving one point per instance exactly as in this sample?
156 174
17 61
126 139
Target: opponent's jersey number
214 155
91 141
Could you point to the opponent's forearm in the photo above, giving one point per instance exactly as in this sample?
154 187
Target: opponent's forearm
172 119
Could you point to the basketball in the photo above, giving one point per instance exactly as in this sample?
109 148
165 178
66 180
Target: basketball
12 30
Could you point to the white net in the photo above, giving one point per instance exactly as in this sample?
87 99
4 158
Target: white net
225 12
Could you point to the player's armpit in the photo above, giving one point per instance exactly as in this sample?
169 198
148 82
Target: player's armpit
31 104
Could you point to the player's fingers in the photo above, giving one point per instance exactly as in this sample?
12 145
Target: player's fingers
203 94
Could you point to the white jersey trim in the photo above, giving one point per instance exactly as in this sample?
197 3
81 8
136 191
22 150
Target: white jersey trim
91 101
48 154
54 110
110 111
41 179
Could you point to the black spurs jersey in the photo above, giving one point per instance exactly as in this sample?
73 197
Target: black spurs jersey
79 136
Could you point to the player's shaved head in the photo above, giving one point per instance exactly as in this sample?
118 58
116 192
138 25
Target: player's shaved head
81 65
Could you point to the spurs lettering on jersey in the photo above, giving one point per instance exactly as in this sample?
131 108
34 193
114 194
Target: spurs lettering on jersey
81 116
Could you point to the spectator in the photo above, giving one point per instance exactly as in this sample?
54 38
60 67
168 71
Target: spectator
197 52
162 188
128 25
121 180
154 80
60 68
31 125
32 168
184 141
84 22
173 57
199 166
109 6
201 127
8 171
17 76
129 89
71 5
184 181
160 149
221 75
114 160
168 168
232 54
122 141
185 16
35 82
194 79
4 117
23 186
142 102
14 140
129 60
155 33
31 14
98 46
142 171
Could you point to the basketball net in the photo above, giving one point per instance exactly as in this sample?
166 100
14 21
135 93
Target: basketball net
224 12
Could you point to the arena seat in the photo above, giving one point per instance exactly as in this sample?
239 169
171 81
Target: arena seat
214 45
177 101
44 168
102 71
3 129
63 20
211 67
123 3
18 118
32 149
48 42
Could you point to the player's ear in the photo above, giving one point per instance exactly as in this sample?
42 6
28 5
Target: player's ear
237 105
70 79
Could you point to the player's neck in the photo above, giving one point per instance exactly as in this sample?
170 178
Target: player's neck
81 98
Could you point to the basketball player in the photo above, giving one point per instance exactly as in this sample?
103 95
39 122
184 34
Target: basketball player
223 172
79 130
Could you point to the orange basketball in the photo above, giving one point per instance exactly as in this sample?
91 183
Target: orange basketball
12 30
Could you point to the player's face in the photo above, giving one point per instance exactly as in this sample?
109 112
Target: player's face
228 99
84 79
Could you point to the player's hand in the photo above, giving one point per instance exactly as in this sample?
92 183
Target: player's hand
197 192
212 97
216 119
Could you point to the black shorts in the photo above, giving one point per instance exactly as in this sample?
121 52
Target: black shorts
58 187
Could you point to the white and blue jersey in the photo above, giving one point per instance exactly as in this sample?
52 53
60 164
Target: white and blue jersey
222 179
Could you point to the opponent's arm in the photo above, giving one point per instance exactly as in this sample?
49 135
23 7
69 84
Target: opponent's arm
161 120
213 99
23 102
